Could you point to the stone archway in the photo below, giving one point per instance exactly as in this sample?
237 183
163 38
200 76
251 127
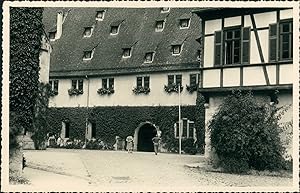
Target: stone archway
143 136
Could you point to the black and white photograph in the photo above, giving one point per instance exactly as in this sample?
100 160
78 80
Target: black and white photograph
150 96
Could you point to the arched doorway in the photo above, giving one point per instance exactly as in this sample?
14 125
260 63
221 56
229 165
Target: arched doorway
143 135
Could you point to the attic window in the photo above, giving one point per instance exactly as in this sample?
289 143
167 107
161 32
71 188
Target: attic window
165 9
52 36
149 57
126 52
87 55
100 15
159 25
114 30
87 32
176 49
198 54
184 23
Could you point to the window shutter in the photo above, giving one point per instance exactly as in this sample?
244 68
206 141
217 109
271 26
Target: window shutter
74 83
273 42
193 79
178 79
246 45
56 85
218 48
139 81
104 83
80 84
111 83
146 81
170 79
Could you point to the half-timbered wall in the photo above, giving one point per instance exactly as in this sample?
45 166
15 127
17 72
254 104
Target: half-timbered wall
124 96
259 71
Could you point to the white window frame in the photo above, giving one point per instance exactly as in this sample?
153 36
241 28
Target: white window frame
107 82
130 51
51 82
176 54
163 26
143 80
193 135
113 34
189 21
92 54
100 19
86 28
153 54
165 11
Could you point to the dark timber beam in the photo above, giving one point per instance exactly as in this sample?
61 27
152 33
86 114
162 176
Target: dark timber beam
260 49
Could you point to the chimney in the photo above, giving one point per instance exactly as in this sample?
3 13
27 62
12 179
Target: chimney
59 24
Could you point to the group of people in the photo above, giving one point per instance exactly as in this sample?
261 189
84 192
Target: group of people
130 143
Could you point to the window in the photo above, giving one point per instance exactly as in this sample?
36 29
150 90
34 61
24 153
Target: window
65 132
159 26
188 129
77 84
184 23
108 83
87 55
87 32
149 57
194 79
228 46
175 79
53 85
281 41
114 30
52 36
100 15
199 55
176 49
143 82
93 130
126 52
165 9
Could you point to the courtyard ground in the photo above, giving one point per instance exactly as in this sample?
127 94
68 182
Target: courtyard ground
62 168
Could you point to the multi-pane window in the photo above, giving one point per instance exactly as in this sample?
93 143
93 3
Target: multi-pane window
188 129
108 83
159 25
281 41
184 23
176 49
100 15
165 9
87 32
126 52
52 35
194 79
143 81
149 57
175 79
77 84
53 85
232 46
87 55
114 30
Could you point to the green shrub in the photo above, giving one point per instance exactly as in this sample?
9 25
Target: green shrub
245 134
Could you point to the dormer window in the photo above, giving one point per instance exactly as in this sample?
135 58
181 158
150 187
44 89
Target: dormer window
165 9
126 52
198 54
52 36
176 49
184 23
159 25
87 32
87 55
100 15
149 57
114 30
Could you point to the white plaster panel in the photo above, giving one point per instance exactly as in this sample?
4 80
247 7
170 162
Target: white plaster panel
232 21
254 76
264 42
213 25
286 74
211 78
231 77
123 95
254 54
286 14
272 74
209 51
247 21
264 19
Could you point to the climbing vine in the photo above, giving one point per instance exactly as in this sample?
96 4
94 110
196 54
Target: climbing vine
26 30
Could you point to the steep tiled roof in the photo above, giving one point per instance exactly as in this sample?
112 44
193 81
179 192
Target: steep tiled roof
137 29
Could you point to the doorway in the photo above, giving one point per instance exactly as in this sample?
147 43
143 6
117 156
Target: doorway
145 134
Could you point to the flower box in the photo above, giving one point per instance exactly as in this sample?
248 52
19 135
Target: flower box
191 88
103 91
141 89
74 91
173 88
53 93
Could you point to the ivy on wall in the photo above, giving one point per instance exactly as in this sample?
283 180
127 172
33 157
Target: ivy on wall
122 121
200 121
26 30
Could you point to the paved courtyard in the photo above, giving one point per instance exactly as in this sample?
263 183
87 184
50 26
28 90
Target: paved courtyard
58 168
